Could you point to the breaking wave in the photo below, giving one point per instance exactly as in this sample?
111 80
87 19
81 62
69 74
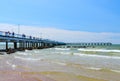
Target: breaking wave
100 56
29 59
62 48
102 69
99 50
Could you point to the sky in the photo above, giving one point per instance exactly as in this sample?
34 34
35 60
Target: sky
63 20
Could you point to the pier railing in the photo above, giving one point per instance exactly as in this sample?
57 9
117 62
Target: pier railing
9 34
23 36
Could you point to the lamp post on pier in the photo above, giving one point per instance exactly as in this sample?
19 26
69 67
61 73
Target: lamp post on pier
18 28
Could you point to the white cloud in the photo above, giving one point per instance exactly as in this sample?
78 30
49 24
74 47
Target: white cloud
63 35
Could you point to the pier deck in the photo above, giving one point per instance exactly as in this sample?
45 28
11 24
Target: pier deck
22 42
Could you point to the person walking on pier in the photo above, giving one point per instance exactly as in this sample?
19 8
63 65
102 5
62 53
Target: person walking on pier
23 35
30 37
13 34
7 33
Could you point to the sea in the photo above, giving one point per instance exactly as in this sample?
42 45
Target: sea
101 63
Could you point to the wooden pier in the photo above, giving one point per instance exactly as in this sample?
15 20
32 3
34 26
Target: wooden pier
22 42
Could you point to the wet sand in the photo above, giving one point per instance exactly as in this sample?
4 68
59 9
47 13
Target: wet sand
22 76
62 76
56 72
42 76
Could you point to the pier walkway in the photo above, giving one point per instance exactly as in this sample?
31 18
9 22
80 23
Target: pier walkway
22 42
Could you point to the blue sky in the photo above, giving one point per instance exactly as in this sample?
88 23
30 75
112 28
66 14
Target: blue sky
63 20
82 15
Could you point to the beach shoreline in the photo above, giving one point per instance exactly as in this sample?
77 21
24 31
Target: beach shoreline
59 65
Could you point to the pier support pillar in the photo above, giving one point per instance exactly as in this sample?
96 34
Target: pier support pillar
37 45
33 45
51 45
43 45
15 45
24 45
28 44
20 44
6 45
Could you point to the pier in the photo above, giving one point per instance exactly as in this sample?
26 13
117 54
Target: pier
85 45
21 42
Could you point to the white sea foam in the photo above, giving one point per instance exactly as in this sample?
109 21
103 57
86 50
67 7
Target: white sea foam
26 50
12 65
22 53
93 68
65 53
99 69
36 51
99 50
117 71
29 59
100 56
62 48
8 63
59 63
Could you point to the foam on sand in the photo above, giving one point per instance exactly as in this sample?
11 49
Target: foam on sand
10 64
